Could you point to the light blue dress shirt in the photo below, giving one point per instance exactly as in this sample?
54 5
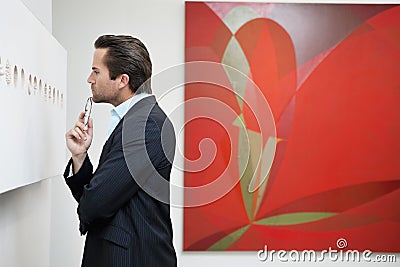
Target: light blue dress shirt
118 112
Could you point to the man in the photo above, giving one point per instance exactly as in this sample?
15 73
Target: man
123 206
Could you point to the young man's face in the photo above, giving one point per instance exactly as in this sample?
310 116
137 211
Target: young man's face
103 88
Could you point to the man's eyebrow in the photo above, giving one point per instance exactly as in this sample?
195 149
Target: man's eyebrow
95 68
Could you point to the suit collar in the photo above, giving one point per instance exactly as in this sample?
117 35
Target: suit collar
149 100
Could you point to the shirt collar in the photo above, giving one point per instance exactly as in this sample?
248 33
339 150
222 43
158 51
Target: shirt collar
123 108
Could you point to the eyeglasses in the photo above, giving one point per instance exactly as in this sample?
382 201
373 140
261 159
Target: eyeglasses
88 110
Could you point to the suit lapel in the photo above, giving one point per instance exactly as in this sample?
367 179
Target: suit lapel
107 146
150 100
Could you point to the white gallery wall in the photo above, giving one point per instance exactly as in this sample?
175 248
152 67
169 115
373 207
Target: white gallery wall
25 212
160 25
33 92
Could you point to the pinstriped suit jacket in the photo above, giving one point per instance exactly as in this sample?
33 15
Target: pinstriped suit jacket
126 226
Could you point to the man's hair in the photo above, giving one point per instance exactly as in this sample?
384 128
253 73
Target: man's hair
127 55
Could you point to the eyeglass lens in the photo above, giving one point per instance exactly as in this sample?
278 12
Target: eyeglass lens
88 110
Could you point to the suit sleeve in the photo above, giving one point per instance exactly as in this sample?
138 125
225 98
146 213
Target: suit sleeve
113 185
109 189
77 181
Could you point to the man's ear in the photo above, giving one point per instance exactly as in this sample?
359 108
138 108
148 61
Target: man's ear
124 81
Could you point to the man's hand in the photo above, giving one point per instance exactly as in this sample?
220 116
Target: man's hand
78 141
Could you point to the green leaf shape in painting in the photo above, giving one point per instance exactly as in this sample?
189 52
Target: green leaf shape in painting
295 218
228 240
252 170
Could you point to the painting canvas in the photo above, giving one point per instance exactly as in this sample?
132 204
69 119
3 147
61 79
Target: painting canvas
33 78
292 126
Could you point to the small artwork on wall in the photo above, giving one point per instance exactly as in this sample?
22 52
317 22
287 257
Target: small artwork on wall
32 142
327 168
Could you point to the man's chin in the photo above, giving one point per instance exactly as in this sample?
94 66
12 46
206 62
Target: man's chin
96 99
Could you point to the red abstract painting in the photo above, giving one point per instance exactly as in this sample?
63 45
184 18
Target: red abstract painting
292 126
